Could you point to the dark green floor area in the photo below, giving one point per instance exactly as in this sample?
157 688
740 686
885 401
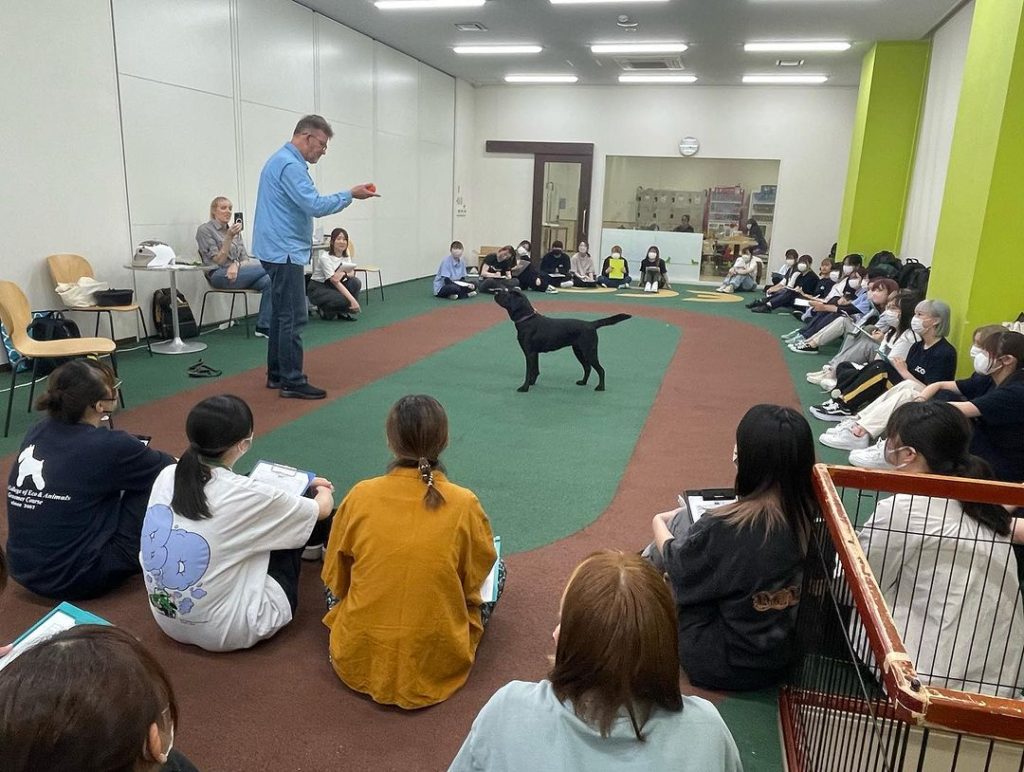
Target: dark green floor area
494 437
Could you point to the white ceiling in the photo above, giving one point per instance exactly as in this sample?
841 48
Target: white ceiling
714 29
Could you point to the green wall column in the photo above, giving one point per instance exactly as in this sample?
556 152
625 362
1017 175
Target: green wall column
892 86
978 243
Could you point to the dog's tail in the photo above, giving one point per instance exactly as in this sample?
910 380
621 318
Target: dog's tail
611 320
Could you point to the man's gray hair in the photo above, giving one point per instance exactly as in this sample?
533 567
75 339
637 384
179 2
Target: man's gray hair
310 123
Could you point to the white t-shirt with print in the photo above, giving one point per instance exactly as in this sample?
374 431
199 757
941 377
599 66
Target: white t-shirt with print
207 579
326 265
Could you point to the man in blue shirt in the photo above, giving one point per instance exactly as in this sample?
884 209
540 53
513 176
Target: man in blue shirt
286 203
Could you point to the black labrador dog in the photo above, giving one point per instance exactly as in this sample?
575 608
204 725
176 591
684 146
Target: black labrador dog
538 333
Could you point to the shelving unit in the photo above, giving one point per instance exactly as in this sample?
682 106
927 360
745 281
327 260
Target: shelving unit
665 208
762 208
724 210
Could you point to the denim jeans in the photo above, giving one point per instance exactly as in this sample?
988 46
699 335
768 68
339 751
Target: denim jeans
250 276
289 317
742 282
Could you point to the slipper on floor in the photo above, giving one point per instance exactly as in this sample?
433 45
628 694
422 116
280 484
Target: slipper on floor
201 370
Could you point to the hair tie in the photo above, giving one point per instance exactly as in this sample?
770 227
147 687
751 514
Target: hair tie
426 472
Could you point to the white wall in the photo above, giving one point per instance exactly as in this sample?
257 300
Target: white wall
62 185
202 92
935 137
807 129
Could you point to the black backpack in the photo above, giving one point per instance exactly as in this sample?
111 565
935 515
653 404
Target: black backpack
914 276
51 325
884 265
162 316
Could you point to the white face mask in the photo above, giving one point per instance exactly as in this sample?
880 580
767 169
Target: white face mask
652 255
891 454
244 446
616 253
984 363
457 254
847 270
917 325
834 275
801 267
790 261
975 350
853 283
523 251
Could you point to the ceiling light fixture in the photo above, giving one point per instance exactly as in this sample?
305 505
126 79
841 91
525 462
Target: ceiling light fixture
470 26
531 49
657 78
596 2
541 78
796 46
423 5
638 48
785 79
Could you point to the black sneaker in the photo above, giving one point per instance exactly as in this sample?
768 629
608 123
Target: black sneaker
303 391
272 384
830 411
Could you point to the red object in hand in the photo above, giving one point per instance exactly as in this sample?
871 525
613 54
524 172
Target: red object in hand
371 187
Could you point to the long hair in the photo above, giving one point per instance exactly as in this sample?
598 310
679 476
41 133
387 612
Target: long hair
84 700
73 387
942 434
212 427
907 303
618 645
774 458
417 431
334 234
1006 343
655 250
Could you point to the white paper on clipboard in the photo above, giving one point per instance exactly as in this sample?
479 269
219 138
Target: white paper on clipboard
280 476
489 589
697 502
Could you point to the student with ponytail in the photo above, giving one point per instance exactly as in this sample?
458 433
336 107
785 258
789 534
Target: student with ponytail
77 491
407 556
946 568
220 552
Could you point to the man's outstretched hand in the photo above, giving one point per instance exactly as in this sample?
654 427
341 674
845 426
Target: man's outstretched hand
366 190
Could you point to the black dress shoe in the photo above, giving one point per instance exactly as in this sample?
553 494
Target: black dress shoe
761 310
303 391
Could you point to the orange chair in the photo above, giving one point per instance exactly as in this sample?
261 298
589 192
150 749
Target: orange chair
69 268
16 317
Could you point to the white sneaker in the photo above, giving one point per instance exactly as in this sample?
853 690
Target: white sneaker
471 294
551 290
566 284
816 376
790 336
871 458
452 297
844 439
827 383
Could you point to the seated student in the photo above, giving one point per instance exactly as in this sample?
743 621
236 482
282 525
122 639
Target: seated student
77 492
858 432
879 293
220 244
848 297
932 358
529 277
801 283
88 699
778 278
556 267
615 270
496 270
755 232
890 336
414 547
946 568
742 276
220 552
450 281
653 271
684 225
582 267
333 286
611 699
737 571
993 398
825 269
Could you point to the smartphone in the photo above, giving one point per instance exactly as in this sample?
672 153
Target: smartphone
238 217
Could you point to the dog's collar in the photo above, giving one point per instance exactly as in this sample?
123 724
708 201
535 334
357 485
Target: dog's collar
528 316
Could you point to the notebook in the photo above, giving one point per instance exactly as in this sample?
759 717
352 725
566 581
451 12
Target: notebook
283 477
63 617
489 589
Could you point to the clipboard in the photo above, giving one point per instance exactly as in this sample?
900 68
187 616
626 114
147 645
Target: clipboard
697 502
60 618
281 476
489 589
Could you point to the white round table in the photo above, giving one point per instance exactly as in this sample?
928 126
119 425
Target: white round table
175 345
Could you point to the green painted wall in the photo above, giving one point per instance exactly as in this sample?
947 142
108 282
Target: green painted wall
977 246
892 87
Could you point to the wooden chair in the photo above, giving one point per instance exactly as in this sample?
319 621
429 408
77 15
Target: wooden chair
69 268
16 317
366 270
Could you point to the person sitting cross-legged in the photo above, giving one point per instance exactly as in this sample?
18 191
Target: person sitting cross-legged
451 280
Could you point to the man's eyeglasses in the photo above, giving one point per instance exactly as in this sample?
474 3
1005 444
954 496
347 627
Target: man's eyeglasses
320 142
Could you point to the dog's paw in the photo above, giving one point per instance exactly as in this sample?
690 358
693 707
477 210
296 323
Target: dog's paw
599 388
523 388
581 383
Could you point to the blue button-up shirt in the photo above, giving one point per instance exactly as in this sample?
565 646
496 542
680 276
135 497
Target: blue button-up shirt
286 203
